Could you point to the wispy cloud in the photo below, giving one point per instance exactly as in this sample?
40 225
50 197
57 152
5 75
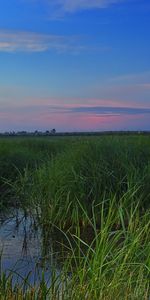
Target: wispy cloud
18 41
100 110
73 118
75 5
58 8
106 110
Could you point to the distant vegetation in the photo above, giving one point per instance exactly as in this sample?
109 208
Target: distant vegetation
27 133
53 132
98 185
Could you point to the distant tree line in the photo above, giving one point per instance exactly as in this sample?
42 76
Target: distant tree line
53 132
27 133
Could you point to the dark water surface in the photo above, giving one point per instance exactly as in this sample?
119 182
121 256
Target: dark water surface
22 251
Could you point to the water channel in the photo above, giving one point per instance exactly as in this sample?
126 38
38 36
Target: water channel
22 249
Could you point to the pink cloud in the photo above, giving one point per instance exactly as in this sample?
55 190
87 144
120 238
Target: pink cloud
94 115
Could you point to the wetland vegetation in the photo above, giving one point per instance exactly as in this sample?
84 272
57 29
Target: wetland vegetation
91 196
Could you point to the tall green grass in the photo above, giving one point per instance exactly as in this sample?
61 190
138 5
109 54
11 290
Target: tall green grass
115 265
17 154
88 171
96 192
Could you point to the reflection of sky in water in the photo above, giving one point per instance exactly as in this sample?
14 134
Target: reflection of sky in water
21 248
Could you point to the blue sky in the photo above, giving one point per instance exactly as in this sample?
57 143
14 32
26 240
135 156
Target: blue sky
74 65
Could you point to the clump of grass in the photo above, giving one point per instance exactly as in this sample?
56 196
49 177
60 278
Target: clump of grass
116 264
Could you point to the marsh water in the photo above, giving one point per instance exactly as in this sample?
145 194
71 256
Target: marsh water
23 250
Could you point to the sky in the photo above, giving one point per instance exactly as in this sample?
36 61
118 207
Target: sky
74 65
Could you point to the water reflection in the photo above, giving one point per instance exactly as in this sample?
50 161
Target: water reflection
22 251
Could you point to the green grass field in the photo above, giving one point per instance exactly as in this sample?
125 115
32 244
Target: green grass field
80 184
